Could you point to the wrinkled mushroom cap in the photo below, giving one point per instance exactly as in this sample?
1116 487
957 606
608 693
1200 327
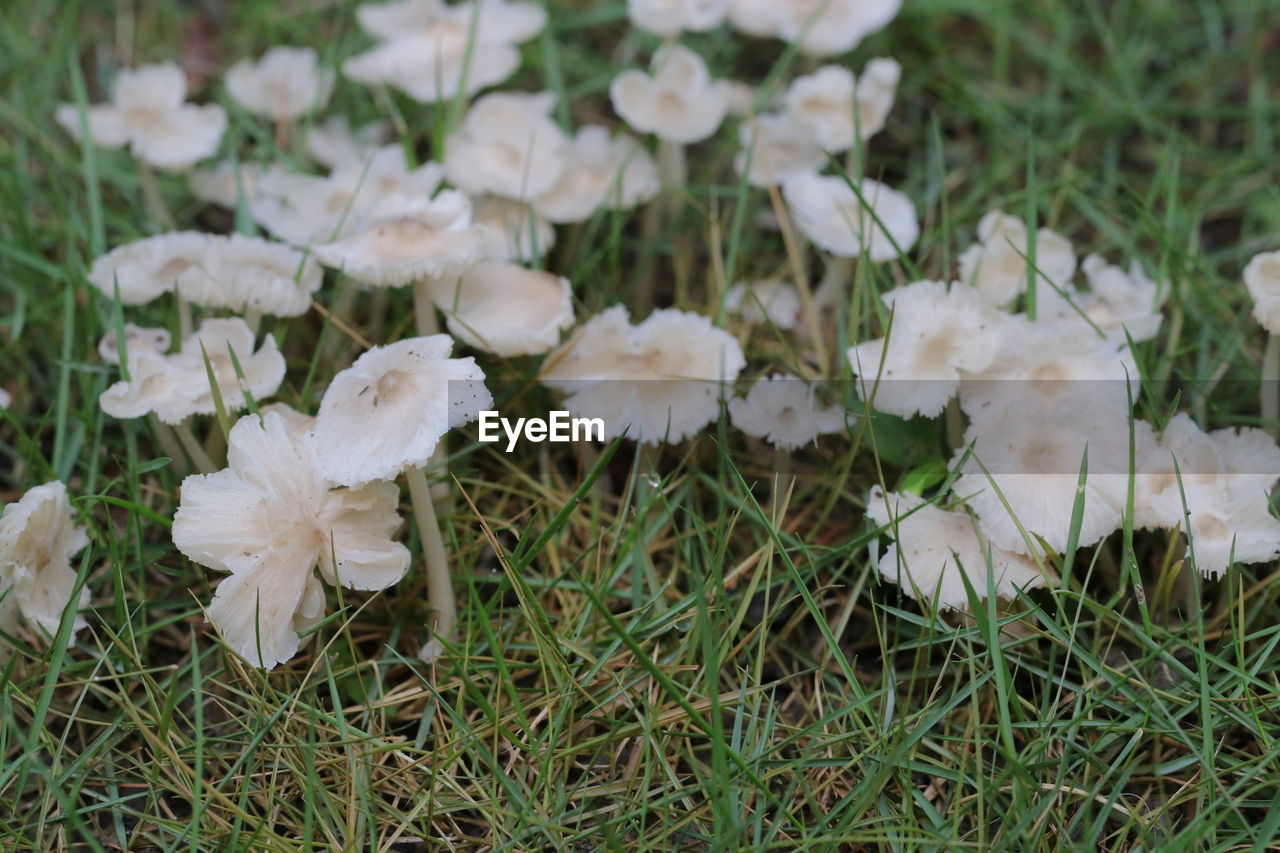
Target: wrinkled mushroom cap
837 108
508 146
285 83
771 300
513 229
832 27
38 538
147 268
997 264
505 309
833 216
671 17
136 338
252 274
783 410
1262 280
599 171
775 148
677 101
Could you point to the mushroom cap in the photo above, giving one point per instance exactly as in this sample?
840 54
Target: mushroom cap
997 264
782 410
771 300
936 550
285 83
435 64
147 112
1121 304
1262 280
249 273
758 18
271 519
332 142
657 381
832 27
837 109
413 241
135 338
389 409
671 17
936 333
677 101
599 171
500 21
38 537
776 147
505 309
513 229
147 268
226 183
831 214
508 146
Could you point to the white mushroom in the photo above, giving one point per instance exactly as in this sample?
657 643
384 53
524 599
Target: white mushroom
677 101
599 171
936 551
784 411
284 84
333 143
146 268
254 275
659 381
506 310
831 27
147 112
997 264
1121 304
136 338
1262 280
507 145
876 221
38 538
671 17
513 229
838 109
271 520
936 334
776 147
770 300
227 183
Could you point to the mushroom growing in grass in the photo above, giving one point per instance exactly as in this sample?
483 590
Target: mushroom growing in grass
817 27
505 309
507 145
385 415
143 270
513 229
669 18
935 551
784 411
285 84
838 109
997 264
254 276
936 333
271 520
136 339
659 381
776 147
771 301
38 538
600 171
1262 280
411 241
1120 304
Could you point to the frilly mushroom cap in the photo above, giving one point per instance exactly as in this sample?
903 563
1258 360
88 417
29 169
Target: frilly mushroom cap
38 538
136 338
435 64
177 386
936 334
147 268
148 114
833 216
333 143
506 310
286 83
298 423
772 300
599 171
997 264
677 101
252 274
1034 462
226 183
659 381
832 27
513 229
499 21
388 411
837 109
1122 304
758 18
671 17
783 410
936 551
413 241
775 148
271 519
508 146
1262 280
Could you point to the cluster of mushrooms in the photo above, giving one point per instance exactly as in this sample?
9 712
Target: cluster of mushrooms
1026 353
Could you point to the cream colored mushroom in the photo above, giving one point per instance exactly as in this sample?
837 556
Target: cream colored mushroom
284 84
677 101
38 538
505 309
838 109
508 146
600 171
783 410
875 221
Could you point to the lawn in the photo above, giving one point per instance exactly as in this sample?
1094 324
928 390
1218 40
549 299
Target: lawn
682 645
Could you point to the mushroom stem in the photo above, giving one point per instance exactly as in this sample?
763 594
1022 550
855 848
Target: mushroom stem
185 323
189 443
1271 385
827 294
152 199
169 444
436 561
673 171
424 309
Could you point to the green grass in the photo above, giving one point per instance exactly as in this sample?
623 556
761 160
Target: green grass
693 664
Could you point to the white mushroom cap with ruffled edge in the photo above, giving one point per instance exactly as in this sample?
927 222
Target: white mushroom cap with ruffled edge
388 410
145 269
997 264
831 27
935 551
937 333
671 17
828 211
513 229
1262 280
659 381
227 182
135 338
147 112
499 21
507 145
176 387
600 171
505 309
285 83
333 142
251 274
411 240
769 300
783 410
270 519
38 538
838 109
677 101
1121 304
776 147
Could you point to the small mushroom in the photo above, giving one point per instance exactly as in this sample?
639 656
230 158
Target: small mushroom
875 221
136 338
249 274
838 109
599 171
671 17
776 147
997 264
144 269
1262 280
677 101
770 300
286 83
513 229
505 309
783 410
508 146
